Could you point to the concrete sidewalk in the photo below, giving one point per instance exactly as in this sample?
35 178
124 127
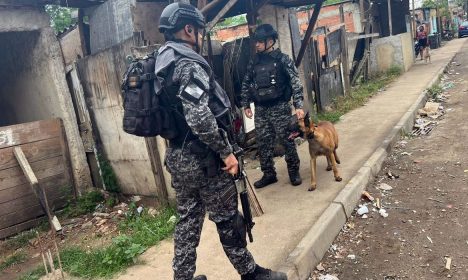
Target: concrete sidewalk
299 226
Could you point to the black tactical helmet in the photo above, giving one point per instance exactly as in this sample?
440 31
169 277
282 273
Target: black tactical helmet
176 15
265 31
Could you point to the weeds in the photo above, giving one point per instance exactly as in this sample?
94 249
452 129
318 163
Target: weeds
139 232
19 240
36 274
84 204
108 175
359 95
16 258
434 91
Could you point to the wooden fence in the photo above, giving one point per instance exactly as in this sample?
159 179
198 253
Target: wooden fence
43 143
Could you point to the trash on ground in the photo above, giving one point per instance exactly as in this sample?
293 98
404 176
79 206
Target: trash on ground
385 187
351 256
368 196
448 263
383 213
430 240
377 203
406 154
320 267
431 108
364 216
392 176
362 210
327 277
172 220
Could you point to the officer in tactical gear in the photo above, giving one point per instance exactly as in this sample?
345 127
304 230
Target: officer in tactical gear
270 82
195 156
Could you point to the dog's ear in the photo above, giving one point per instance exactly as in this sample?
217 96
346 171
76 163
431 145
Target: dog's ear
307 120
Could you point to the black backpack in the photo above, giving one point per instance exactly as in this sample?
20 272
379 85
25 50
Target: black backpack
146 113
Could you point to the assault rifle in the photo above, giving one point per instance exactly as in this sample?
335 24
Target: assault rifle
242 183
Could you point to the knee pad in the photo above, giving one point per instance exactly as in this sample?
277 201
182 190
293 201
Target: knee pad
233 233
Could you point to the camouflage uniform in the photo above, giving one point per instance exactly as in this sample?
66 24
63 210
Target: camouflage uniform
271 121
195 192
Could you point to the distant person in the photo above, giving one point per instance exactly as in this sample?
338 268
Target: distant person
422 40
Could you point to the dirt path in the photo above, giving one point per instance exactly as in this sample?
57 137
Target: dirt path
427 207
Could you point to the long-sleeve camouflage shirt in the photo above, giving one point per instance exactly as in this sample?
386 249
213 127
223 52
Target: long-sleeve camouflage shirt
292 75
194 94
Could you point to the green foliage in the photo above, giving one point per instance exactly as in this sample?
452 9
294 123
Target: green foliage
434 91
332 2
359 95
138 233
18 241
84 204
16 258
36 274
108 175
442 5
232 21
60 17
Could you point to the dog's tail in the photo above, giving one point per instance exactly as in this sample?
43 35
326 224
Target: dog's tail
337 159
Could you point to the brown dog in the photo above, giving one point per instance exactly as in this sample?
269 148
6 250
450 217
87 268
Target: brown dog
323 141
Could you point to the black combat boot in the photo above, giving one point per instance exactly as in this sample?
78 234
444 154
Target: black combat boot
200 277
261 273
295 178
265 181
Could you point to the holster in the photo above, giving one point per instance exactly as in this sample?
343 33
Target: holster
211 160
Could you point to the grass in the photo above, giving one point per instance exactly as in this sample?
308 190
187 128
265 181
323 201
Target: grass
83 205
434 90
36 274
138 233
18 241
16 258
359 95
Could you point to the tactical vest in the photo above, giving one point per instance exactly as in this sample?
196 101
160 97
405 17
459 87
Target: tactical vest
170 55
270 81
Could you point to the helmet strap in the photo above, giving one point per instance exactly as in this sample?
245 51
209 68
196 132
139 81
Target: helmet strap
266 42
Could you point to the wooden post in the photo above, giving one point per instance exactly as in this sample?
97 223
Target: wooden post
344 52
220 14
310 28
390 27
413 22
251 23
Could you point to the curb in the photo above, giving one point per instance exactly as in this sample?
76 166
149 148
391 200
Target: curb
309 252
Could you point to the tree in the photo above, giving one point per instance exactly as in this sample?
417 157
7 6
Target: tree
60 17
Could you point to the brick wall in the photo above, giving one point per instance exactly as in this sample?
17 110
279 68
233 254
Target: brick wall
329 17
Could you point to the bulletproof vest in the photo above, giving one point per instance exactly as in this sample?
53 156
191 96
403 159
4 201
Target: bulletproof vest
270 80
168 56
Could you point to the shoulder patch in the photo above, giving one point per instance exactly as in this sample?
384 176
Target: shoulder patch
192 92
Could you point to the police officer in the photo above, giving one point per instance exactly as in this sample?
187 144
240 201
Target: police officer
188 80
270 82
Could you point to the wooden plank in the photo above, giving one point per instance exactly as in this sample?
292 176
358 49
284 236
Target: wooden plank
29 213
310 28
60 180
9 231
364 36
45 168
35 151
220 14
29 200
67 160
156 164
29 132
24 164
